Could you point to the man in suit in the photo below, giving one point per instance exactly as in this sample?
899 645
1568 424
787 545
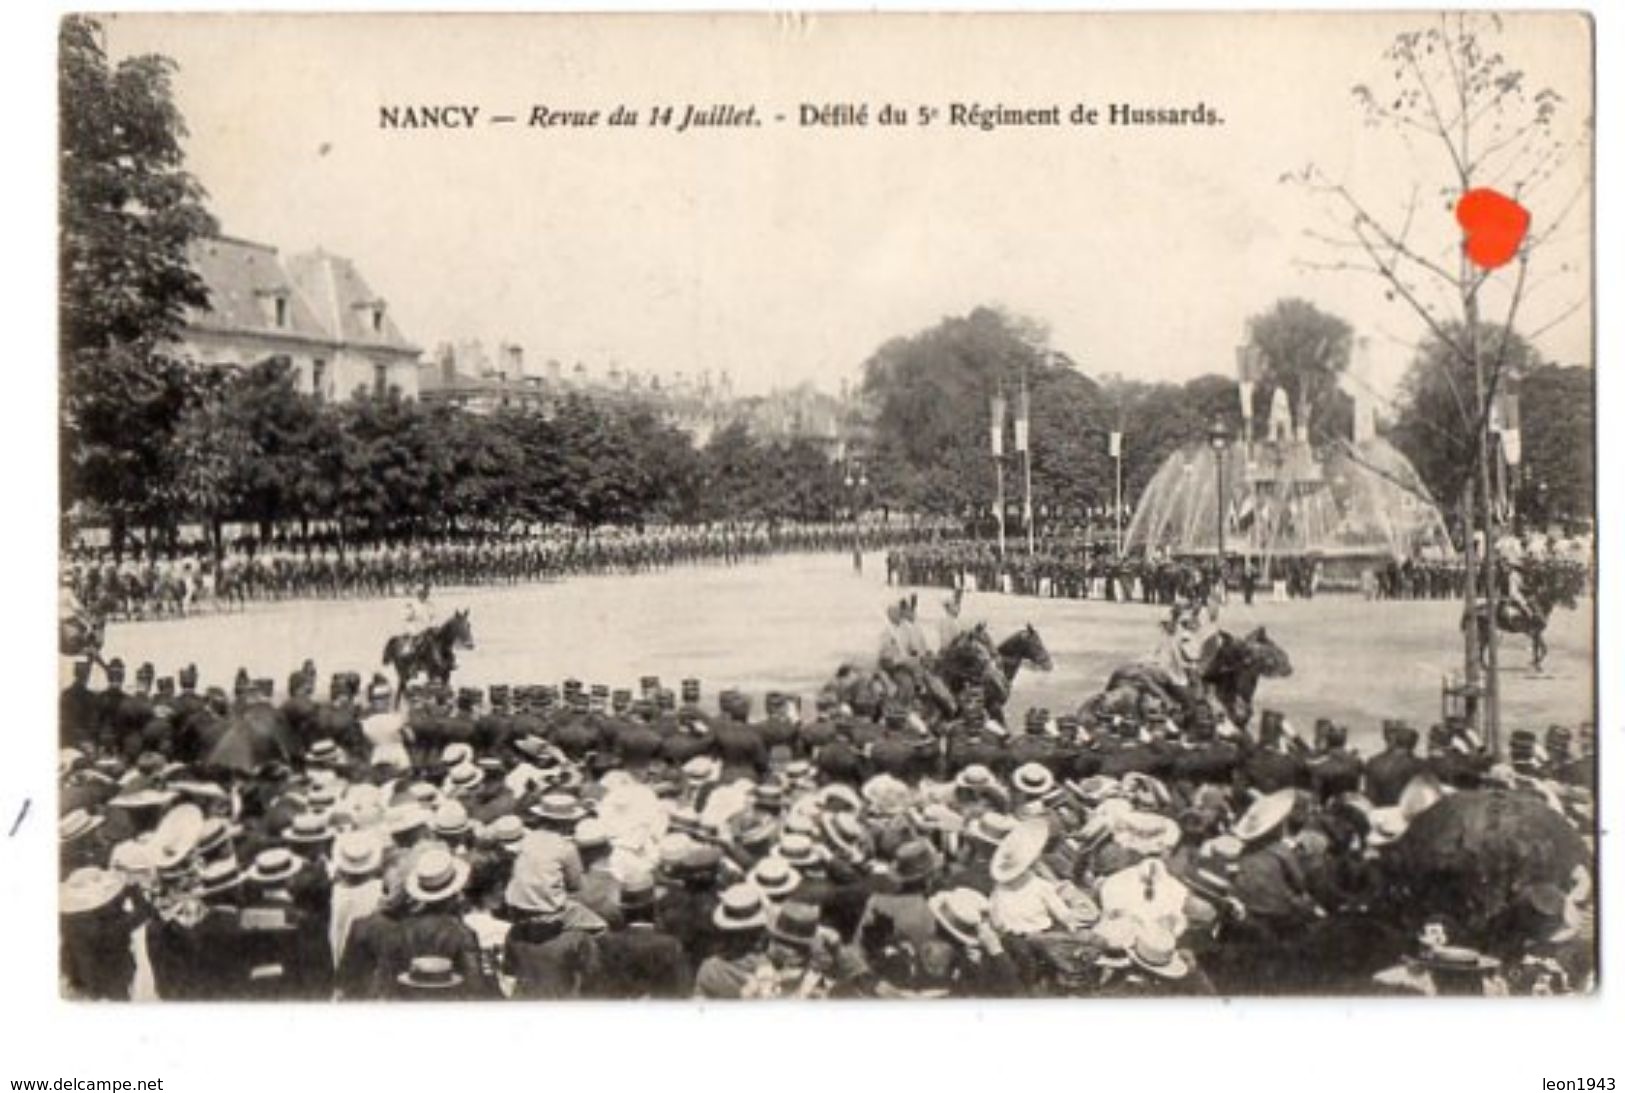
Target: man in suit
640 960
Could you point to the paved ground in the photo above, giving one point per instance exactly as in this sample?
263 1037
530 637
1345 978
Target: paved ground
787 622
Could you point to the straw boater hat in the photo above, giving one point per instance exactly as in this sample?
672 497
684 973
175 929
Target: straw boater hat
274 866
219 876
1156 951
795 924
702 769
799 850
741 907
845 834
436 876
463 778
560 807
358 853
886 795
1387 825
775 877
430 973
1019 851
507 832
89 889
1033 779
308 829
455 755
451 820
960 912
77 824
1265 815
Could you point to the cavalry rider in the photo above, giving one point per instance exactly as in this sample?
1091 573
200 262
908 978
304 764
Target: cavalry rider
1515 597
899 657
418 615
1179 650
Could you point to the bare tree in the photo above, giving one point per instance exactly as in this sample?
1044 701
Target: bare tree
1461 108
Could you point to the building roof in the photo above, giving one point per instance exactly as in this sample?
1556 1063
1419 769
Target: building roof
327 299
240 277
345 302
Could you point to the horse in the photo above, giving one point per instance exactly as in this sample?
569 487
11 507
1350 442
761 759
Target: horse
431 651
1546 588
972 658
1229 669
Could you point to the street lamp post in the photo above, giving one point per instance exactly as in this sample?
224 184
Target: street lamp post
856 479
1219 438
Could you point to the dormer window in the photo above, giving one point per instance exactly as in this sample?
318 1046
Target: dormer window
274 306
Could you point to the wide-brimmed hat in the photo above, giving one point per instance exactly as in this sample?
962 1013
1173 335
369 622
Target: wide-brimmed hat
1033 779
430 973
1019 851
916 860
77 824
308 828
456 754
960 912
775 877
637 890
1146 832
795 923
177 836
741 907
799 850
451 820
274 865
1096 788
1156 950
221 875
937 818
845 833
559 807
990 828
1145 891
436 876
146 797
1388 824
702 769
1266 814
358 853
463 778
401 820
976 778
89 889
507 831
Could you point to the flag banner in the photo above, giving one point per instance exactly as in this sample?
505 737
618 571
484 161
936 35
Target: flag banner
998 440
1115 444
1021 433
1247 399
1512 445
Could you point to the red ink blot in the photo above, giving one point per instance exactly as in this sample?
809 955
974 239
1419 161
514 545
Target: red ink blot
1493 226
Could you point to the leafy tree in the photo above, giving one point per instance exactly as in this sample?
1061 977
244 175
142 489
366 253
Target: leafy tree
1556 480
1302 350
1432 428
128 209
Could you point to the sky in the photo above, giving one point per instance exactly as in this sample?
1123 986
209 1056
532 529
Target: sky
786 254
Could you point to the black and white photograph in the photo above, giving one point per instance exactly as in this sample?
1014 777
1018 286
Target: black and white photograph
711 507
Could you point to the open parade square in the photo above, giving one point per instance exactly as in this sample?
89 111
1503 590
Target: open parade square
786 623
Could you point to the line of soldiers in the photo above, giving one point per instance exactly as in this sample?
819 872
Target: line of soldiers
566 840
284 569
1057 570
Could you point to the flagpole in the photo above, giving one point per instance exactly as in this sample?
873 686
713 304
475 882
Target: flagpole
1024 441
996 438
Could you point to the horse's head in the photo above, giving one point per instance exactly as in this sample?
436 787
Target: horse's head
1026 645
459 632
1268 658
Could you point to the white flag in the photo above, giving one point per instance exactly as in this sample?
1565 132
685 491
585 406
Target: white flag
1116 445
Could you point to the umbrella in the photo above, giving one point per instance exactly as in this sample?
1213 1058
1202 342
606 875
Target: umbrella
250 740
1472 853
